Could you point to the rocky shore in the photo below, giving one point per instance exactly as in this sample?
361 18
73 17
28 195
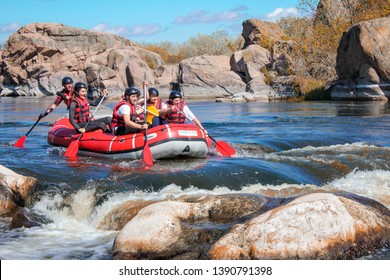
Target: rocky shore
39 55
317 225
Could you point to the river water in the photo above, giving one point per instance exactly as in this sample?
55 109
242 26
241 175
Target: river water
283 149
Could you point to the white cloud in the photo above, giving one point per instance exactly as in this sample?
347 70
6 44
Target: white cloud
281 12
137 30
202 16
240 8
9 28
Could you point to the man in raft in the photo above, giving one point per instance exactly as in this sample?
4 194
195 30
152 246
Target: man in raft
65 95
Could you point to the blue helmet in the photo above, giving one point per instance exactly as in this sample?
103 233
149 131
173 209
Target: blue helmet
79 85
67 80
132 90
153 90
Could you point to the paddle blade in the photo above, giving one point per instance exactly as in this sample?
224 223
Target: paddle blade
151 112
225 149
20 142
72 150
147 155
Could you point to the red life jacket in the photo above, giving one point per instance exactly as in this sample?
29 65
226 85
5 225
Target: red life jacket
81 113
64 96
118 120
158 104
175 117
68 97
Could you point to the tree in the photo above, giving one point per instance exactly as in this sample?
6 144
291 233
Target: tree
217 43
308 8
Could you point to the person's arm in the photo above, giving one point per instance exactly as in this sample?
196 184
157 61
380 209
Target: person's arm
72 120
95 102
130 123
140 101
164 110
191 117
51 108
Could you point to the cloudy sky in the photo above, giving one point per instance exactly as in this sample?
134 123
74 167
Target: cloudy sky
148 21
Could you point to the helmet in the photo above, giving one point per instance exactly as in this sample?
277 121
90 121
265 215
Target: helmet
67 80
79 85
175 94
153 90
132 90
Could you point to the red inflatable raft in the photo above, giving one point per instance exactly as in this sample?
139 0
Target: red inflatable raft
165 141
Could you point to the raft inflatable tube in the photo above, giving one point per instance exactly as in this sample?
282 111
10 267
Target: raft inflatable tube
165 141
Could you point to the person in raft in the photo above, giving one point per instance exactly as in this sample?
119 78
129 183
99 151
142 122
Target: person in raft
126 117
157 103
64 95
80 115
175 110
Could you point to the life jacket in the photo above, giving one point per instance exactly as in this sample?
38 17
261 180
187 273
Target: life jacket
118 120
64 96
81 113
175 117
67 97
158 104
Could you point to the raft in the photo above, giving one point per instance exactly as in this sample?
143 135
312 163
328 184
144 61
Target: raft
165 141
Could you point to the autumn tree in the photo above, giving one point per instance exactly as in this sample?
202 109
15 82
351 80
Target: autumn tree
217 43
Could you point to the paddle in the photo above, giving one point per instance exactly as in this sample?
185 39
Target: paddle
21 140
222 147
146 153
151 113
73 148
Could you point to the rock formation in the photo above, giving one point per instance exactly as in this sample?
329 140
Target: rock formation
331 11
39 55
312 225
15 190
209 76
363 67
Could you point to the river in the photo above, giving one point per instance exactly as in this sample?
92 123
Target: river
283 148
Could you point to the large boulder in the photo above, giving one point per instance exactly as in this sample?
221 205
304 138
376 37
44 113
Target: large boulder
363 66
264 56
170 229
329 12
248 62
209 77
15 190
314 226
261 32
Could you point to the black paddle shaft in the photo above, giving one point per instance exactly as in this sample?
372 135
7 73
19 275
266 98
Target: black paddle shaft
35 124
